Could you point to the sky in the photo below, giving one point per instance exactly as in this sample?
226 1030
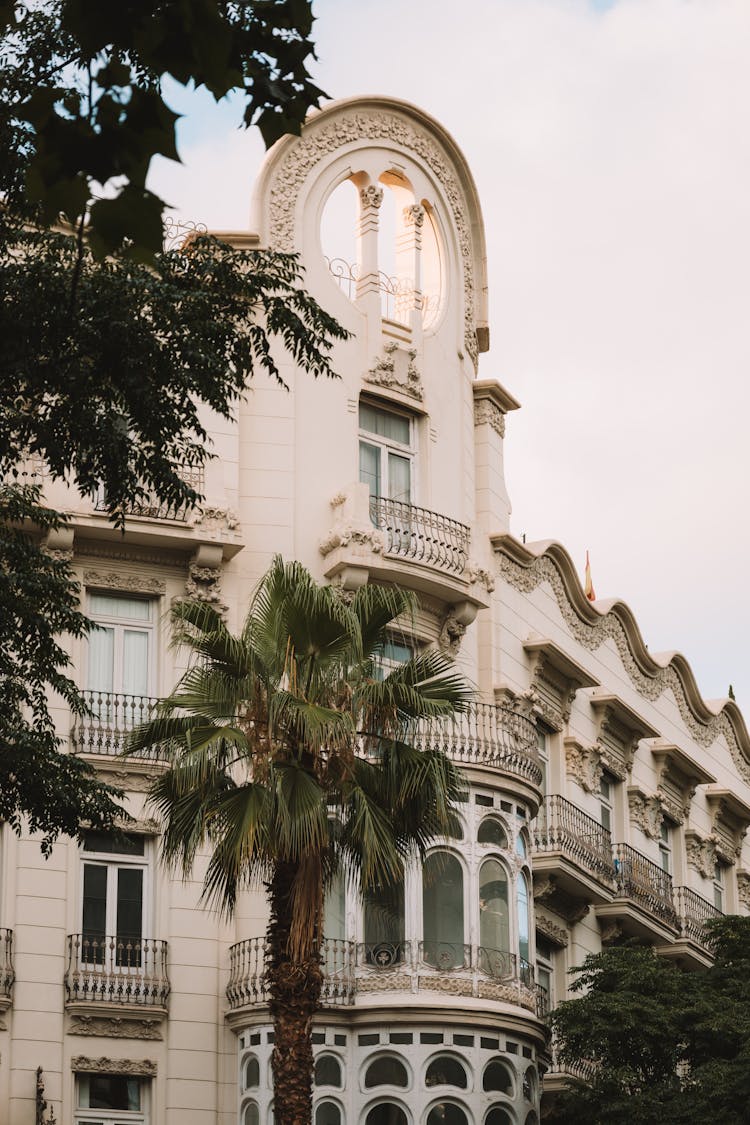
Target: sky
610 144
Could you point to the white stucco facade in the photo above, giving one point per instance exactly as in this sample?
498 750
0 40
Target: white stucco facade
606 796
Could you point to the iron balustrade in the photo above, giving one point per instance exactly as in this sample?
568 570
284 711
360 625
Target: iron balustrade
113 715
384 954
114 970
420 535
247 968
485 734
496 963
398 297
7 972
562 827
151 507
643 881
693 911
446 956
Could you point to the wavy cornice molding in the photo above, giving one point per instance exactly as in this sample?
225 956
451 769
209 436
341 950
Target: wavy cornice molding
527 565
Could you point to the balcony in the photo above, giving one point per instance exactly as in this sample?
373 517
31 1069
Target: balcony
7 973
351 972
643 905
487 734
113 715
151 507
574 852
113 973
692 948
373 538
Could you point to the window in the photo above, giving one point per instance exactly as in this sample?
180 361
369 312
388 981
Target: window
606 786
328 1113
665 846
443 911
386 1113
497 1078
386 452
384 926
543 752
545 959
386 1071
446 1113
395 651
252 1073
498 1116
120 656
121 1097
494 923
112 916
719 886
251 1115
328 1071
446 1071
492 832
529 1084
522 891
334 910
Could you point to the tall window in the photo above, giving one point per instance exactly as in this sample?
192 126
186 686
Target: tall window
542 745
443 910
120 656
545 967
112 918
386 452
384 925
665 846
719 886
111 1099
524 921
494 924
606 793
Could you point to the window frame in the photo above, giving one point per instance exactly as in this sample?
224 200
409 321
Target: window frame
384 445
83 1115
119 626
114 862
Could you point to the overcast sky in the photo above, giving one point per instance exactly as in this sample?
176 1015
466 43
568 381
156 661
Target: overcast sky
610 143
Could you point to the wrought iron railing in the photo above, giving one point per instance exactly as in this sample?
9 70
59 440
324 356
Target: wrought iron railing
114 970
151 507
7 972
384 955
496 963
562 827
693 911
247 967
643 881
397 295
113 716
445 955
486 734
420 535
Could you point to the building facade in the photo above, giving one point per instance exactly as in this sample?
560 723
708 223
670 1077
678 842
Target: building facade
606 797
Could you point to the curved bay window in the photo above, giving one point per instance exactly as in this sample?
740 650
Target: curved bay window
446 1071
494 920
384 926
386 1071
492 832
524 924
443 911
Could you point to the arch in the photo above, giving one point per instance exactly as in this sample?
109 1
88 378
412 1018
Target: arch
498 1078
443 910
524 917
447 1113
492 831
386 1113
328 1071
498 1115
251 1073
522 844
446 1070
531 1119
386 1070
328 1113
251 1114
494 915
530 1084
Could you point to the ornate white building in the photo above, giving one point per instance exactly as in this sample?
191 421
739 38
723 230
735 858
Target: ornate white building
606 796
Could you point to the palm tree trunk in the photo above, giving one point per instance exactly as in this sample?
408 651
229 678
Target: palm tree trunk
294 997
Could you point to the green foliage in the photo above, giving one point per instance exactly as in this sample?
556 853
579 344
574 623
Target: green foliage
82 108
661 1046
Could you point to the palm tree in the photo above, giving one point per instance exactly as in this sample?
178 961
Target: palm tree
291 761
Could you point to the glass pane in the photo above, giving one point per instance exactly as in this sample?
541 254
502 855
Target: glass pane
252 1073
384 921
327 1071
120 844
399 478
491 831
443 910
328 1114
129 908
497 1077
252 1117
494 923
446 1071
386 1071
523 917
113 605
386 1114
445 1113
384 423
521 845
135 662
369 467
109 1091
498 1116
101 659
396 652
94 920
334 910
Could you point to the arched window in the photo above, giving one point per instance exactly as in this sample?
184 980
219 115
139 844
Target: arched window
446 1071
492 832
443 911
529 1084
334 910
327 1113
252 1073
328 1071
386 1071
524 927
384 925
252 1116
498 1116
386 1113
521 845
447 1113
532 1119
494 923
497 1078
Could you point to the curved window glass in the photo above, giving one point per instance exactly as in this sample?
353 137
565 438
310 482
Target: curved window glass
327 1071
386 1071
521 847
334 910
446 1113
252 1116
523 918
498 1116
446 1071
386 1114
327 1113
492 832
443 910
384 925
494 923
252 1073
529 1084
497 1077
532 1119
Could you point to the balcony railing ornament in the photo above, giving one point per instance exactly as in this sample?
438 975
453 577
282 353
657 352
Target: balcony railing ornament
638 878
114 970
112 717
420 535
562 827
487 734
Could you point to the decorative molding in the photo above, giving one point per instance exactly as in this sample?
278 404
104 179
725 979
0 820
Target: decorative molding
474 573
129 583
486 411
141 1068
385 982
678 777
131 552
743 888
414 215
451 633
558 935
145 826
610 929
344 534
731 819
115 1027
371 196
645 812
215 519
570 909
701 854
204 584
454 986
396 370
134 780
358 125
583 764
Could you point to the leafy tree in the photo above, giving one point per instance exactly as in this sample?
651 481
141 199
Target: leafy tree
662 1046
111 350
291 761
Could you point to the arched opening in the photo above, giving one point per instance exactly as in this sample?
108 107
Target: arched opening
443 911
328 1071
492 832
498 1116
338 235
497 1078
494 919
386 1113
384 926
447 1113
252 1073
446 1071
251 1115
529 1084
524 920
386 1071
327 1113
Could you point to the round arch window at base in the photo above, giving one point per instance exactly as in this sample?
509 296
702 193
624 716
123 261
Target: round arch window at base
387 1113
498 1115
328 1113
447 1113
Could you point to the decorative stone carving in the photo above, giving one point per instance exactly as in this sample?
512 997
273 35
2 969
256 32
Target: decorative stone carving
397 370
357 126
345 534
128 583
204 584
475 573
414 215
611 930
141 1068
583 764
645 812
385 982
371 196
486 411
216 519
494 990
743 888
570 909
701 854
558 935
731 818
140 826
114 1028
133 780
451 634
454 986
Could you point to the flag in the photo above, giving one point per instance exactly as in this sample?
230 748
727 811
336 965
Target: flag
588 585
